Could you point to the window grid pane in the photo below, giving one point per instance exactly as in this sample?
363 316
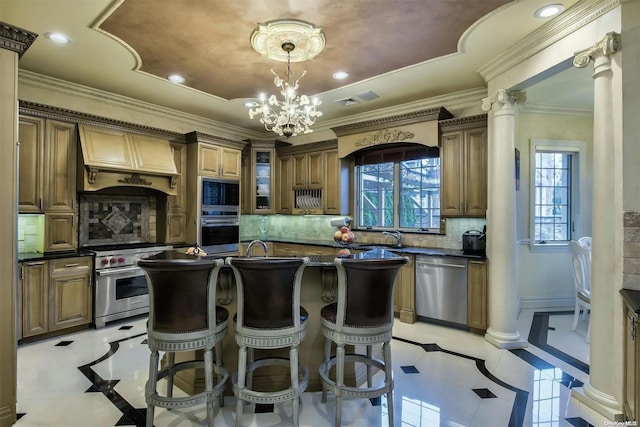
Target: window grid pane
420 193
376 195
552 210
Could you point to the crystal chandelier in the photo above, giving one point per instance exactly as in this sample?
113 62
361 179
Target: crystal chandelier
292 115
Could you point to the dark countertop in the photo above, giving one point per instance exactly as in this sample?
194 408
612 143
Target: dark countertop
632 298
39 256
412 250
315 260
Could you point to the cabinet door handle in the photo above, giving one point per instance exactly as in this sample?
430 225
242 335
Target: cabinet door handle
632 328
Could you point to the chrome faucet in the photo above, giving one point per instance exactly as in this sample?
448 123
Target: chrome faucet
259 242
395 234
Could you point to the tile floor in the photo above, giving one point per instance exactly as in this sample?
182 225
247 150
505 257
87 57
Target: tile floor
444 377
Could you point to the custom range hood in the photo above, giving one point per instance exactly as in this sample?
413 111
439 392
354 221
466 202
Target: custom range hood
115 158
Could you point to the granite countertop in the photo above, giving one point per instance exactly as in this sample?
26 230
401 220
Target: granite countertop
39 256
632 298
413 250
315 260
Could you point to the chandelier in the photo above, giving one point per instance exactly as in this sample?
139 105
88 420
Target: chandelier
294 114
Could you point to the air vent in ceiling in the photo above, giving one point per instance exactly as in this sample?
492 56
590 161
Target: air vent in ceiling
368 95
345 102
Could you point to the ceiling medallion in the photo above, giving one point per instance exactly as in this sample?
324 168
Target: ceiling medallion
284 40
268 38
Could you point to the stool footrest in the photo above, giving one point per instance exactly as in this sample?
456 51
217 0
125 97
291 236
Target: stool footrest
344 390
272 396
196 399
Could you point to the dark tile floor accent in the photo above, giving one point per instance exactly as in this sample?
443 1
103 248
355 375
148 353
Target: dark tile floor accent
125 327
578 422
409 369
484 393
538 337
520 402
264 408
63 343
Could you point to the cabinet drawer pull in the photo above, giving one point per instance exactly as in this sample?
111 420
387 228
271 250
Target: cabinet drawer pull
71 265
36 263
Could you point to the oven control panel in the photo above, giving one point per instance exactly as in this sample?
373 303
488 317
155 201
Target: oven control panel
125 258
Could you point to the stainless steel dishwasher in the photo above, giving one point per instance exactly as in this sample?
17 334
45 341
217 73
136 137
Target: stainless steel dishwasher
441 289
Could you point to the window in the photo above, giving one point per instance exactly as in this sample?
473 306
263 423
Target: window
398 188
555 215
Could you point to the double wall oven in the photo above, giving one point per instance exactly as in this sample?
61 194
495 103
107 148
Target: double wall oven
219 216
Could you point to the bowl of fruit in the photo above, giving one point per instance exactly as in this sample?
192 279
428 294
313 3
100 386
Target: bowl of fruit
344 237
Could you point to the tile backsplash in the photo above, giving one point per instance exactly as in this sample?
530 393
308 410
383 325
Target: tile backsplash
318 227
30 233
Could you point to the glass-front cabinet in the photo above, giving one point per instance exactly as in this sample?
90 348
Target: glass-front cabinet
262 178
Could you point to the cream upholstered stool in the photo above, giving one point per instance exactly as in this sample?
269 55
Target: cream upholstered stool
269 317
183 316
363 315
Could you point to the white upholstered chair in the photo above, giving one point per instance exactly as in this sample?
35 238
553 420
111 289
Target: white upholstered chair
581 263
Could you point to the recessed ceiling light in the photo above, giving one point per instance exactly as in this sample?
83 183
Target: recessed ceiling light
176 78
340 75
58 38
549 10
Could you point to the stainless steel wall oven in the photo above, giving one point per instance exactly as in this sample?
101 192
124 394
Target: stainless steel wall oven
219 216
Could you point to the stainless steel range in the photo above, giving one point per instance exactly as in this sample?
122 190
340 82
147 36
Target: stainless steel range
120 285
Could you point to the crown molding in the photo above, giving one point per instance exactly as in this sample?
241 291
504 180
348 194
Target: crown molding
463 123
438 113
195 137
571 20
15 39
39 81
330 144
555 110
33 109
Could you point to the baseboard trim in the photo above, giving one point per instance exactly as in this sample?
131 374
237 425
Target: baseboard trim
568 303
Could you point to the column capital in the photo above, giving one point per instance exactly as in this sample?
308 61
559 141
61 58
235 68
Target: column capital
503 96
611 43
15 39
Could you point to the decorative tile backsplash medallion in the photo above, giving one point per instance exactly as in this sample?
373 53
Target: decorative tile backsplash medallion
107 220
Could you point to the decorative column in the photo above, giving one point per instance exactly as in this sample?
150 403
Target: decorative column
604 388
503 298
14 42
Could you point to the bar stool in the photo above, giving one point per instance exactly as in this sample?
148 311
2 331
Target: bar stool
183 317
269 317
363 315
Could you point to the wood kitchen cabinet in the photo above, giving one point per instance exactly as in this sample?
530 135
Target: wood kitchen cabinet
35 298
477 295
70 292
245 193
308 170
262 184
31 164
47 178
176 227
405 292
284 183
463 160
335 184
311 179
56 294
219 162
631 373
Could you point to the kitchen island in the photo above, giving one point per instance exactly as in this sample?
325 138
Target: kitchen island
319 286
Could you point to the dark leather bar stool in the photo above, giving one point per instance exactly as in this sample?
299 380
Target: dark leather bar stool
269 317
183 316
363 315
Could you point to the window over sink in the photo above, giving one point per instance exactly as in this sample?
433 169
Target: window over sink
399 188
